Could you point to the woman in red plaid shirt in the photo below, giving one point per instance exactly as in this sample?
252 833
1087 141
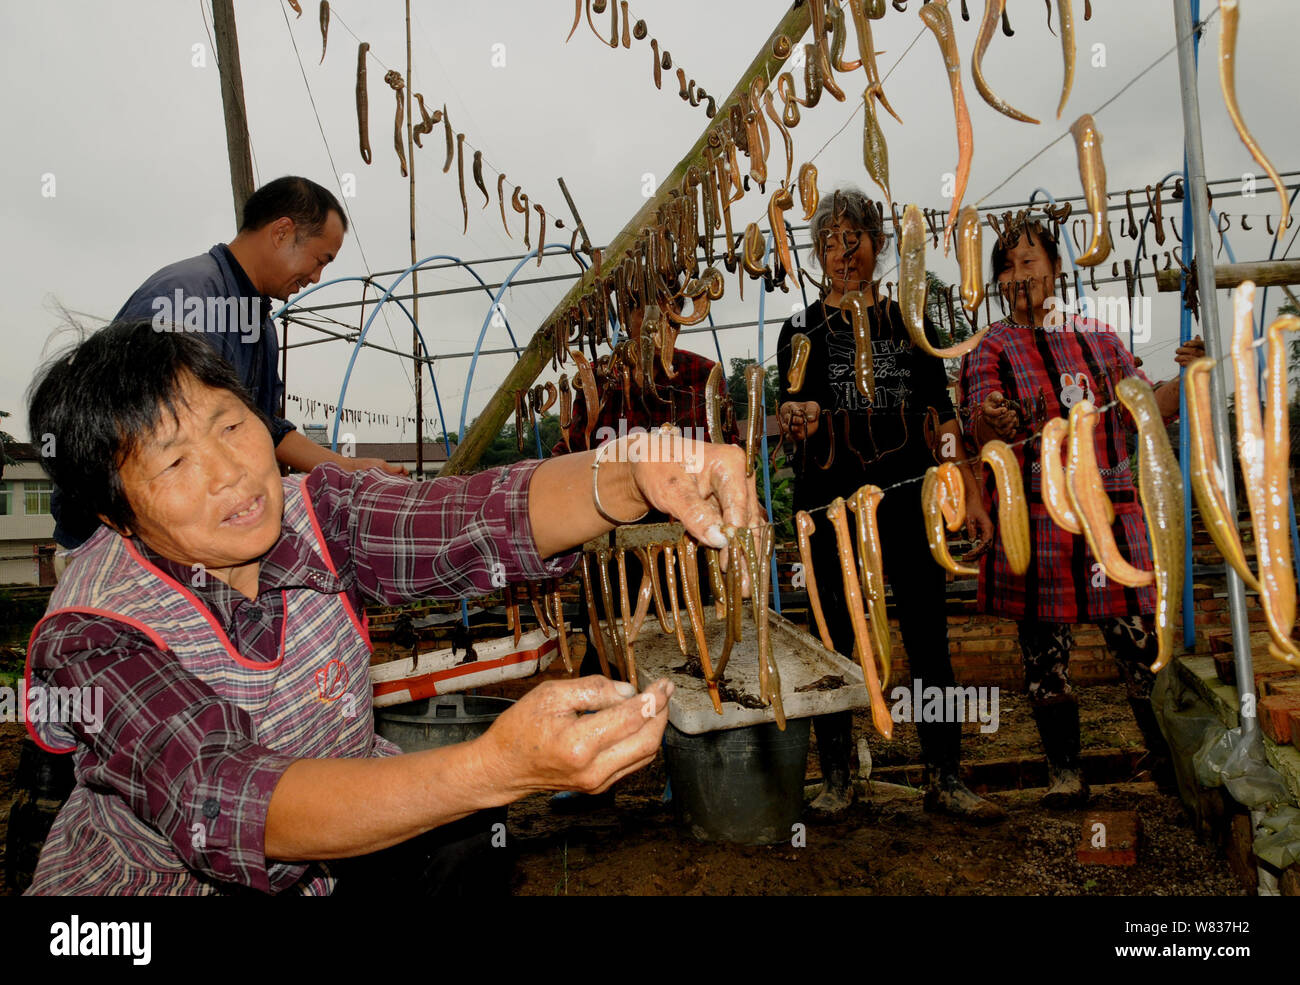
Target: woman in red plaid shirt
1030 368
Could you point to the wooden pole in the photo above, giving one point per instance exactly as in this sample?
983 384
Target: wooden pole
533 359
1265 273
415 277
232 101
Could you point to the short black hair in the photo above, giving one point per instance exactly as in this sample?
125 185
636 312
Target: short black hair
1010 237
854 207
308 204
100 399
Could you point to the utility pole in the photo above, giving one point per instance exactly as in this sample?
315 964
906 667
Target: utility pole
232 101
415 275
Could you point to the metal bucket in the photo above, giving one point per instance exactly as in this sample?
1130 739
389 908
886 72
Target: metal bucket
742 785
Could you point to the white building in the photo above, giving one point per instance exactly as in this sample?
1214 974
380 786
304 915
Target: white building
26 526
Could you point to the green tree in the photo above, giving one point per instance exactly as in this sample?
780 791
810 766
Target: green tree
504 449
736 387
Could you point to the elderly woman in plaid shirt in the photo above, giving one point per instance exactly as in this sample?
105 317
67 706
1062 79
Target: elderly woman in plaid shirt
1030 367
217 610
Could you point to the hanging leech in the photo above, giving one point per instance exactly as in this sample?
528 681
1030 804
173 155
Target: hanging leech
912 287
520 204
501 200
451 139
363 102
325 31
695 613
862 638
875 152
864 504
478 178
993 9
1228 82
754 392
867 54
670 577
1092 172
611 616
804 526
395 82
460 174
937 19
1066 19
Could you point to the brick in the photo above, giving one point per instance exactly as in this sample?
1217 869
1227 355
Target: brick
1289 884
1109 838
1200 591
1282 685
1275 716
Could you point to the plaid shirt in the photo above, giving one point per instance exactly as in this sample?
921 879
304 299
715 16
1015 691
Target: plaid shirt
390 541
682 403
1045 373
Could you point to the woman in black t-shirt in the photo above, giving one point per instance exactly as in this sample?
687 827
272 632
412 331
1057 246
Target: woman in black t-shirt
844 441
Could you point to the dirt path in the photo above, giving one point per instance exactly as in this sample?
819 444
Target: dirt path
886 846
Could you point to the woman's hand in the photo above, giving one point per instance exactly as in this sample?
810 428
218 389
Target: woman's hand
573 735
799 419
699 483
999 416
979 527
1190 351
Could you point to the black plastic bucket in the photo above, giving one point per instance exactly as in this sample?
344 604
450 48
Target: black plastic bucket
442 720
742 785
472 857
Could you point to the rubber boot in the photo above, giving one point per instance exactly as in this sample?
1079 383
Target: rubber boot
1058 725
834 744
945 793
1158 759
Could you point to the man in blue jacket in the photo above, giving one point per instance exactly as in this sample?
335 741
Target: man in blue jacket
291 230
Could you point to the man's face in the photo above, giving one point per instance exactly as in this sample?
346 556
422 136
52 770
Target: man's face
205 488
297 265
848 256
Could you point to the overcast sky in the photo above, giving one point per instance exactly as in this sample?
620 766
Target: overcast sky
117 103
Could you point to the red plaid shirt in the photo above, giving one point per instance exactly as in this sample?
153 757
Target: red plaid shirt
1047 372
391 540
681 402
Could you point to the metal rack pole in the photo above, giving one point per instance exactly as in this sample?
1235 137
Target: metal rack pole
1184 11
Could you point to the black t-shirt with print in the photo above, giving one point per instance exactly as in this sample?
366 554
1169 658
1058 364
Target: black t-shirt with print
879 444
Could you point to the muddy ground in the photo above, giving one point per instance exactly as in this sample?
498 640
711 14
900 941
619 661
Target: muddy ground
887 845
